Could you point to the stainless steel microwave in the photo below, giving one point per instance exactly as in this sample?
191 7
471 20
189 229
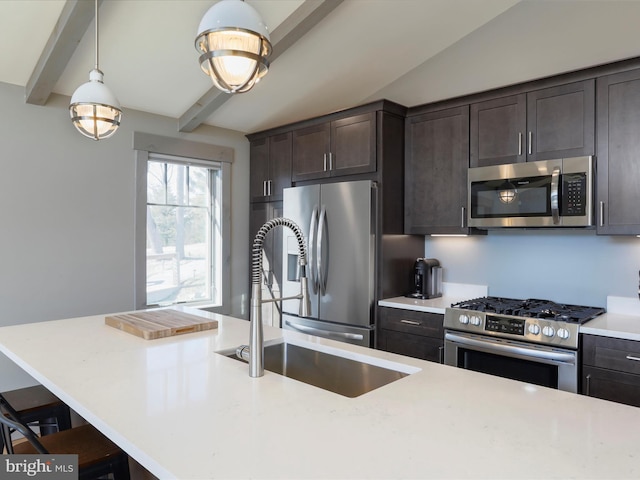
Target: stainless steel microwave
548 193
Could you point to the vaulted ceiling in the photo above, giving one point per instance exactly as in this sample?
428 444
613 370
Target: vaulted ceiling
330 54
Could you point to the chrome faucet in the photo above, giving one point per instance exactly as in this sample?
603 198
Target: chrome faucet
254 352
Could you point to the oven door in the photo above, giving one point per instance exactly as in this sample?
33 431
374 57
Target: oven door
540 365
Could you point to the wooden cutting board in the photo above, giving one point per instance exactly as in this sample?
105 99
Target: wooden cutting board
159 323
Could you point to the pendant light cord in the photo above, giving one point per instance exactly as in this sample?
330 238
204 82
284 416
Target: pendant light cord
96 4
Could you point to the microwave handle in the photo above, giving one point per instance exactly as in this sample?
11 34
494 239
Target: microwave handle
555 184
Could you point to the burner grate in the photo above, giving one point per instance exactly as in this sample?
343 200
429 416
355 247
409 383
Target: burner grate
533 308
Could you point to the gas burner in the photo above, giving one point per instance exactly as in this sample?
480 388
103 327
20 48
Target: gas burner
531 308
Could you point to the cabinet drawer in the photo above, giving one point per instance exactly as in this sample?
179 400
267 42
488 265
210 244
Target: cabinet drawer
417 346
611 353
409 321
610 385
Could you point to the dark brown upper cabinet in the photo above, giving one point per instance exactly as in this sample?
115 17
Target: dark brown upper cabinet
436 163
618 158
270 167
561 121
497 129
345 146
554 122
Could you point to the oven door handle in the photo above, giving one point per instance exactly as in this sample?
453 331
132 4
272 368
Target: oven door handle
487 344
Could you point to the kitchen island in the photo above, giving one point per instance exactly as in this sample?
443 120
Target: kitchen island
183 411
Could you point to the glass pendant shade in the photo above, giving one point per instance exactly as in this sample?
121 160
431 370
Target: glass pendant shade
94 110
234 44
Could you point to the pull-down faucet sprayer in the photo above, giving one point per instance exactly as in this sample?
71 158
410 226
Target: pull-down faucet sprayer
254 353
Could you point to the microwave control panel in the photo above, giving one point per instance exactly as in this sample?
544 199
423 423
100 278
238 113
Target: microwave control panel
574 194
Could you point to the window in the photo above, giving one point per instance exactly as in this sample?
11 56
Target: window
183 236
182 219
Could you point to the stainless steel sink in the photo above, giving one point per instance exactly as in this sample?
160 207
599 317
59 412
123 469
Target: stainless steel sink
338 374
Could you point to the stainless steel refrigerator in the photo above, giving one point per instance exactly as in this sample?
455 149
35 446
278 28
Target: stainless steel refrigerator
339 224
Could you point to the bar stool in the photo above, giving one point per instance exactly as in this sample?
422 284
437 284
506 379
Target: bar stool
36 406
97 455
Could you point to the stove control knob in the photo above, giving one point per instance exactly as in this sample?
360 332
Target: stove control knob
463 319
563 333
475 320
548 331
534 329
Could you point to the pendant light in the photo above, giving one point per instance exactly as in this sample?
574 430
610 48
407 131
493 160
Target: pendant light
234 44
94 110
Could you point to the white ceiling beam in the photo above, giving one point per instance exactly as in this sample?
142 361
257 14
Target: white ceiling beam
75 18
294 27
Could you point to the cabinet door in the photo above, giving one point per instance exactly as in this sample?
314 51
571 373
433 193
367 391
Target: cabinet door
561 121
280 149
311 146
611 385
498 131
353 145
618 172
259 169
271 278
437 159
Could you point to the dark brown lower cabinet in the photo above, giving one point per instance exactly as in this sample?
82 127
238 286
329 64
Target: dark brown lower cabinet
611 369
411 333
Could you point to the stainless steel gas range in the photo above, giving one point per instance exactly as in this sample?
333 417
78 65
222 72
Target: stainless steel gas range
535 341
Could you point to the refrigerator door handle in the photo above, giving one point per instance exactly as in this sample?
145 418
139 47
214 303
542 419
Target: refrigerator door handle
313 230
328 333
322 273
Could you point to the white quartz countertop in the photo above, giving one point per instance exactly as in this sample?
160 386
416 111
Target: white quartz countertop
431 305
622 320
614 325
451 293
185 412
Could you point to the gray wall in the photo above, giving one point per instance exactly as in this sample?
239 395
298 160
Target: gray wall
576 267
67 243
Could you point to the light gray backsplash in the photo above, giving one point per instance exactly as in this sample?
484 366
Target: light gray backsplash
574 266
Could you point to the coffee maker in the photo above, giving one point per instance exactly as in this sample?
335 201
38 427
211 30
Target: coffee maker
427 279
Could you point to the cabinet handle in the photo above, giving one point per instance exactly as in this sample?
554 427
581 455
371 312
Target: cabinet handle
441 355
529 142
325 162
588 386
330 161
410 322
602 214
519 143
631 357
463 216
269 187
264 188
